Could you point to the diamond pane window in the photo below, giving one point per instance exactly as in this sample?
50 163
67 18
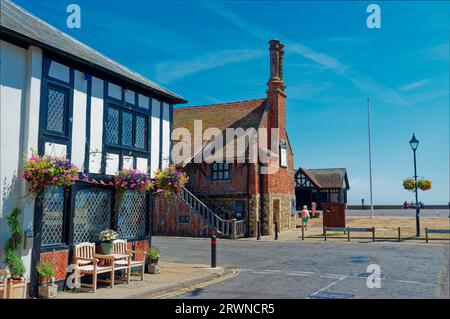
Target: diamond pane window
52 216
112 126
132 219
141 132
56 109
92 214
127 129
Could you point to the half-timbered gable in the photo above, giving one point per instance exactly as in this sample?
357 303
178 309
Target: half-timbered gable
328 185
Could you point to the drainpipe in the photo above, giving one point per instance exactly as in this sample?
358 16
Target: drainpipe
261 197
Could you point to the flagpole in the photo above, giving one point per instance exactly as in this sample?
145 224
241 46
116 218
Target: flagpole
370 158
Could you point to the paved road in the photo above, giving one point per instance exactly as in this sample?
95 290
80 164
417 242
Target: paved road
302 270
399 212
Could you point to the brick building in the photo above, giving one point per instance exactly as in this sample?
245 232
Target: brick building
238 190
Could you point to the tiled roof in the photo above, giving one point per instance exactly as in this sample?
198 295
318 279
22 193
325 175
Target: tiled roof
327 177
242 114
15 20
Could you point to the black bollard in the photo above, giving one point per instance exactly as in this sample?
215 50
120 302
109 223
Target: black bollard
276 231
259 231
213 251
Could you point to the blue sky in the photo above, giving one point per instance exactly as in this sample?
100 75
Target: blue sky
212 52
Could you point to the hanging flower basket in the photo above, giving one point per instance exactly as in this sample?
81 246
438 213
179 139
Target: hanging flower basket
424 184
45 171
170 181
409 184
132 180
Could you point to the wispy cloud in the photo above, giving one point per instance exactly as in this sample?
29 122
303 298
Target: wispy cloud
414 85
437 52
307 90
344 40
363 83
168 71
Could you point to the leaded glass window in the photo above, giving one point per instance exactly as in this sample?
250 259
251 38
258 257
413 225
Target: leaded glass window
53 217
56 110
112 126
141 132
92 214
132 219
127 129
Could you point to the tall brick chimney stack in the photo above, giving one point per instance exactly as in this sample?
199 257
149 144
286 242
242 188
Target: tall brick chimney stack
276 97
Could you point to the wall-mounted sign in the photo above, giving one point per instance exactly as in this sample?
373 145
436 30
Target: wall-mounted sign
283 154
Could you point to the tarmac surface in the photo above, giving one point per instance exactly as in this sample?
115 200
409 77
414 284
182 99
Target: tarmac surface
328 270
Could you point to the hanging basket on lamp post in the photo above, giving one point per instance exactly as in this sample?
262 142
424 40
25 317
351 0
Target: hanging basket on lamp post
424 184
409 184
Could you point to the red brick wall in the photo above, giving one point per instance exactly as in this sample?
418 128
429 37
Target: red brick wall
166 220
60 259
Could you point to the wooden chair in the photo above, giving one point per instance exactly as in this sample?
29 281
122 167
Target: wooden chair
88 263
133 261
3 283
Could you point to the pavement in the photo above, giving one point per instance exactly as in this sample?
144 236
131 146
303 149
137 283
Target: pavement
174 276
304 269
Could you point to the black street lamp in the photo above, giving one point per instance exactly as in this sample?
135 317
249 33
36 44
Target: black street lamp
414 144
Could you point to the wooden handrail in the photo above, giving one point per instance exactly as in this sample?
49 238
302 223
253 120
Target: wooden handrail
227 228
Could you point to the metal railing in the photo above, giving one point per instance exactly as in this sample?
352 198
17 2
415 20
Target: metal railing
223 228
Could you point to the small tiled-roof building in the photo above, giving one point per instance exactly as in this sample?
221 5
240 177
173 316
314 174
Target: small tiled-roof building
326 185
240 189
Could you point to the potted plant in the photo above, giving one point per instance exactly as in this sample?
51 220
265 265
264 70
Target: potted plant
46 271
17 285
107 237
153 256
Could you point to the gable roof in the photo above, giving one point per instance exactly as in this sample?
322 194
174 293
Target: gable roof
327 177
17 22
243 114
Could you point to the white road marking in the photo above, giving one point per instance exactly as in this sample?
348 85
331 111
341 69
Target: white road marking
267 273
297 274
303 272
415 282
327 286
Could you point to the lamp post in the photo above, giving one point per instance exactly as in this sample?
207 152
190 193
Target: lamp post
414 144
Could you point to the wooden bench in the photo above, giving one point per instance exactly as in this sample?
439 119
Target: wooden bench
435 231
88 263
133 260
3 283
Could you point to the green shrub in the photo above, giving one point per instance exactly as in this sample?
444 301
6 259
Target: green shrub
15 263
12 259
46 269
153 253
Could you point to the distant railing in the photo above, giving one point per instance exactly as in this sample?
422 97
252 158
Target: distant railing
224 228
